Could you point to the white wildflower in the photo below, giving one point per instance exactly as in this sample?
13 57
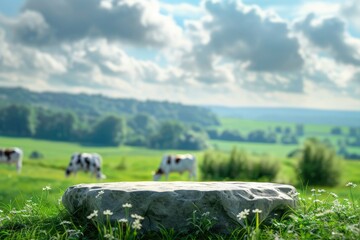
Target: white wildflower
123 220
243 214
206 214
46 188
109 236
99 194
136 224
127 205
137 216
257 211
321 190
93 214
313 190
108 212
334 195
317 201
350 184
65 222
13 211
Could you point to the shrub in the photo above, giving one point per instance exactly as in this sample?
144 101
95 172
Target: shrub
237 166
318 164
263 169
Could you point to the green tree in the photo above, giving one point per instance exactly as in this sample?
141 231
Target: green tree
140 128
55 125
167 136
109 131
16 120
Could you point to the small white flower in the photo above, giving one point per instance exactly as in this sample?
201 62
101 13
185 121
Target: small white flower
108 212
65 222
136 224
137 216
127 205
257 211
321 190
317 201
108 236
350 184
123 220
334 195
243 214
206 214
46 188
99 194
93 214
313 190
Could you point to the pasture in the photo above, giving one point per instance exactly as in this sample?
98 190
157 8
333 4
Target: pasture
36 192
124 164
119 164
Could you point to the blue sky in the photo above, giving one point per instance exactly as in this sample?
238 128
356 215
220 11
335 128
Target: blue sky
236 53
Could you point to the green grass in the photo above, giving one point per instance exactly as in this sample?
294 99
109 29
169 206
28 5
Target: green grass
319 215
137 164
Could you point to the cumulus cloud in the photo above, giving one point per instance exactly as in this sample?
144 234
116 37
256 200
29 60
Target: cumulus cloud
243 45
132 21
350 9
249 34
217 52
330 35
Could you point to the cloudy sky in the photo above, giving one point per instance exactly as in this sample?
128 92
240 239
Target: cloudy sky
236 53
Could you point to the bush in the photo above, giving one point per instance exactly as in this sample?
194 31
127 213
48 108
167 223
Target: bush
237 166
263 169
318 164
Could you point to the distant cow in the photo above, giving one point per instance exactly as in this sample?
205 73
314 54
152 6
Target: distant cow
12 156
87 162
177 163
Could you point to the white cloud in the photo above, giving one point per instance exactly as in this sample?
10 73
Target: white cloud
135 22
350 9
220 52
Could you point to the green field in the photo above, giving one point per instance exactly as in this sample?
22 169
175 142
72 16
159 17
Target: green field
119 164
122 164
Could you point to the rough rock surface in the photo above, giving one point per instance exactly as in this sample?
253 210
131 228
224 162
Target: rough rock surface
172 203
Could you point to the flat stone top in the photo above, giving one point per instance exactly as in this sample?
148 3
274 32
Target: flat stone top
170 204
176 186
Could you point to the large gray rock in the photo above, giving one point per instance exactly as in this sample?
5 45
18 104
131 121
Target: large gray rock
172 203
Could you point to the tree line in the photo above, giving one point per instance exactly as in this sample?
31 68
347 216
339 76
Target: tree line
92 107
140 129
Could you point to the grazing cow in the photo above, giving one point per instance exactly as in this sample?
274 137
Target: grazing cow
12 156
88 162
177 163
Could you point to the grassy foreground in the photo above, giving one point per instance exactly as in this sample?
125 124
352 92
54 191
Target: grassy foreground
321 215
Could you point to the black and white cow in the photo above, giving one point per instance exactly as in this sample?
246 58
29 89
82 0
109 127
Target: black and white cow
87 162
12 156
176 163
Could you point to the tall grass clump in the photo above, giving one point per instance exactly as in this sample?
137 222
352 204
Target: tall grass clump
237 166
318 164
323 215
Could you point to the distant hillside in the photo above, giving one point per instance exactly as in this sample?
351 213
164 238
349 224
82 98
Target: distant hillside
97 105
291 115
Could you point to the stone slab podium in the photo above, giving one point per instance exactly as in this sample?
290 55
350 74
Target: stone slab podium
171 204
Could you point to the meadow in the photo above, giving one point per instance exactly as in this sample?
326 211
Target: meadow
42 183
